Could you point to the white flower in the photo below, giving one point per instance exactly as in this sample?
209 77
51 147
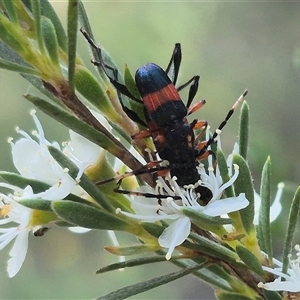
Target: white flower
291 281
33 160
275 208
83 152
235 150
19 215
169 207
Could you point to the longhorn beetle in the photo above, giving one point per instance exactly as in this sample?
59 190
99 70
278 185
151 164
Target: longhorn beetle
167 123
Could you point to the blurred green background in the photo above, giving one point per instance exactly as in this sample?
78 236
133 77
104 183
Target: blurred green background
232 46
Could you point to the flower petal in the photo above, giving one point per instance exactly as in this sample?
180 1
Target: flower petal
18 253
83 149
175 235
60 190
276 206
24 153
278 285
8 234
78 229
225 206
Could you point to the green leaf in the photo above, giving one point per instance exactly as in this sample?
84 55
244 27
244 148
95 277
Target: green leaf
292 222
137 107
7 53
85 24
214 274
42 204
22 182
24 11
109 62
271 295
10 35
10 10
84 182
75 198
84 20
137 262
211 248
87 216
48 11
221 295
244 184
39 204
36 9
203 219
132 249
4 64
50 40
131 85
72 42
152 228
264 213
147 285
88 86
244 130
250 260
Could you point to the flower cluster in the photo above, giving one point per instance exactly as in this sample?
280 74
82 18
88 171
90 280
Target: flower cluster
81 183
175 198
32 159
289 281
37 163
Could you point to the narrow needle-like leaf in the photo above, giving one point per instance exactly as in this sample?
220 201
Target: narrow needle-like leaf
137 262
264 214
292 222
10 10
244 130
48 11
4 64
87 216
244 184
35 5
144 286
72 40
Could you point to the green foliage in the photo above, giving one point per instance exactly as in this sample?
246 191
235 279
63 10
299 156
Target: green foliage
250 260
244 130
291 228
147 285
244 184
264 214
222 251
87 216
